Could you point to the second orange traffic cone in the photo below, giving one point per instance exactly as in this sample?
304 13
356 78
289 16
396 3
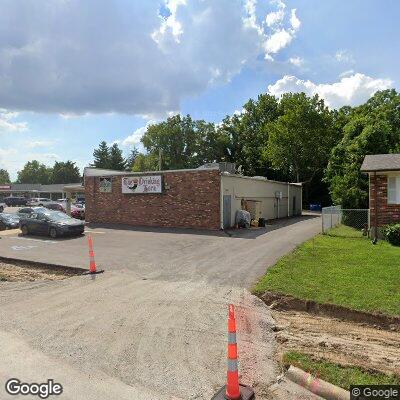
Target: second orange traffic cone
92 262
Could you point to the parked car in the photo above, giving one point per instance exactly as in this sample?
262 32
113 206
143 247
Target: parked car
27 211
15 201
39 201
51 223
76 212
2 207
9 221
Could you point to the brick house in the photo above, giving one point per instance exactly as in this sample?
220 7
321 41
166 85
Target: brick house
384 188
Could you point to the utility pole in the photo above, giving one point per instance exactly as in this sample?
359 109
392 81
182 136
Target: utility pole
160 159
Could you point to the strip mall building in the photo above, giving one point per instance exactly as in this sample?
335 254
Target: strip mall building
207 197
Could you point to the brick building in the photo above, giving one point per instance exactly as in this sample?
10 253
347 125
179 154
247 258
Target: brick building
384 188
207 197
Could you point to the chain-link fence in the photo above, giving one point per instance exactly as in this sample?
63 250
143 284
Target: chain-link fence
337 221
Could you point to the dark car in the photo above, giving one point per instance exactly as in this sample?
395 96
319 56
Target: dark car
51 223
9 221
15 201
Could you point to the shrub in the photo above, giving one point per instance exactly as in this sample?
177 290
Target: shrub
392 233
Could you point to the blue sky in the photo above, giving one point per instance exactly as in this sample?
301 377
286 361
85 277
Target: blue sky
74 73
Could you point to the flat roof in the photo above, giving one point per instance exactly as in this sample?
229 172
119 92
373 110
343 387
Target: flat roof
100 172
381 162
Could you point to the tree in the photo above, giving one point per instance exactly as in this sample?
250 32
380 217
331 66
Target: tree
301 139
4 176
176 137
65 172
145 162
34 172
300 142
130 161
102 156
247 134
372 128
116 160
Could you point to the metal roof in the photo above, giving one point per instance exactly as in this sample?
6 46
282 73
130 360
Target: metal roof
381 162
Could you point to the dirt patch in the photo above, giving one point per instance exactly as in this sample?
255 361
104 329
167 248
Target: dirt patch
282 302
20 272
342 342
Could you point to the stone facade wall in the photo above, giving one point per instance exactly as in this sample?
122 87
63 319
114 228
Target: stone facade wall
190 199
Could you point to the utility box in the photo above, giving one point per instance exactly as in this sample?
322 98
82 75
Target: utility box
278 195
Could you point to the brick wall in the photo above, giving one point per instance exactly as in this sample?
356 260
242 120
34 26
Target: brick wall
387 213
191 200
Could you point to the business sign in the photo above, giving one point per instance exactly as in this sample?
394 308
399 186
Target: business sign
5 187
105 185
142 184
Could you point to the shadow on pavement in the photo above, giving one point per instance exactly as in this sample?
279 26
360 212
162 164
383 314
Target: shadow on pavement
251 233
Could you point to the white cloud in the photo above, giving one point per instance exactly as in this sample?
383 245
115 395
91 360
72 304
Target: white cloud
169 25
350 90
134 139
344 56
278 41
294 21
347 73
51 156
135 57
274 17
7 123
40 143
282 34
296 61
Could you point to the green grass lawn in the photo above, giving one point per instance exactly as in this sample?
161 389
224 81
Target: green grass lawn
339 375
342 269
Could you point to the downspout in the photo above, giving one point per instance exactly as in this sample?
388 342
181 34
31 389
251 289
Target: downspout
288 199
221 203
376 209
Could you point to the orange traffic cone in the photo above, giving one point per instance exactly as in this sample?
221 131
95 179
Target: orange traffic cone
233 389
92 262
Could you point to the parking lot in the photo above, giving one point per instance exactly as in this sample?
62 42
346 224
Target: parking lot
153 326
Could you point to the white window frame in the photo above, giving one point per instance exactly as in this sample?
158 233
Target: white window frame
393 189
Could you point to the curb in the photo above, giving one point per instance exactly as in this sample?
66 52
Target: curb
282 302
317 386
22 263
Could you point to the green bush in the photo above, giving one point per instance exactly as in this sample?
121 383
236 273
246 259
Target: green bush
392 233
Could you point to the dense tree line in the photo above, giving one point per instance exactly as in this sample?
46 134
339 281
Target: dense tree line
294 138
61 172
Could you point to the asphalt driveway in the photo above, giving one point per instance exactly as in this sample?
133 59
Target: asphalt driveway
153 326
236 258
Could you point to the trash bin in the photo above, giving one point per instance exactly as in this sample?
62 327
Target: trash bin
261 222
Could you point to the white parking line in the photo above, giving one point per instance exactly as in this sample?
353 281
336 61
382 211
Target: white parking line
36 240
19 248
